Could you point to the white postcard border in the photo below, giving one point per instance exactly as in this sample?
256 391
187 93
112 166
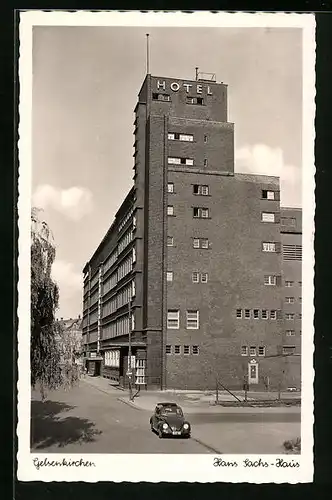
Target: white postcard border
159 467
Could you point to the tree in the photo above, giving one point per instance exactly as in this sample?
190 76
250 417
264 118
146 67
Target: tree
46 370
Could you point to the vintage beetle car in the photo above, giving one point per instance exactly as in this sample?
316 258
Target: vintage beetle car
168 420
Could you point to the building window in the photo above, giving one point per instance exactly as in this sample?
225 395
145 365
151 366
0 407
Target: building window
173 319
168 349
268 195
289 284
170 210
169 275
170 241
289 316
256 313
300 283
270 280
273 314
300 300
200 213
195 100
195 349
292 252
160 97
205 162
177 349
180 137
180 161
261 350
205 139
192 320
200 243
201 189
244 350
269 246
290 333
300 315
252 350
288 349
268 217
288 221
186 349
289 300
195 277
247 313
264 314
239 313
204 277
170 187
134 254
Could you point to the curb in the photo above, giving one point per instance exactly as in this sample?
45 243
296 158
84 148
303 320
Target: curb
129 403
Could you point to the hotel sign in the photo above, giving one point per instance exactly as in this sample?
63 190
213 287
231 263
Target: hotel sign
175 86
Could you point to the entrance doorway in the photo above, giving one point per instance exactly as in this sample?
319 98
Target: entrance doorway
253 372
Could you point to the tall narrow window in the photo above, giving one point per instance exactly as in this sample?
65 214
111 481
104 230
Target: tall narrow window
204 277
170 210
192 320
244 350
261 350
173 319
205 162
170 241
195 277
170 187
205 139
239 313
256 313
168 349
273 314
264 314
169 275
247 313
252 350
177 349
186 349
195 349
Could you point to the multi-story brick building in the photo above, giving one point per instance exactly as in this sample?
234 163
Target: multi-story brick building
197 249
291 239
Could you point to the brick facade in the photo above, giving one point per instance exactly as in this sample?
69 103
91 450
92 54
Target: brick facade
183 138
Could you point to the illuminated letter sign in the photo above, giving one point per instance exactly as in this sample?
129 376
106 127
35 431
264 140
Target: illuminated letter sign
209 91
175 86
199 89
187 85
162 84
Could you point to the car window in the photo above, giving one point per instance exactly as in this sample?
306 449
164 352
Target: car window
169 410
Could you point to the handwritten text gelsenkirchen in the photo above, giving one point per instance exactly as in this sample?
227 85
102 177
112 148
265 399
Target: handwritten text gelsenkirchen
62 463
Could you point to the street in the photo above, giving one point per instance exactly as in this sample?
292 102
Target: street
86 420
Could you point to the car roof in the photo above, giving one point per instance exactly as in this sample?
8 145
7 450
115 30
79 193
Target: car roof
167 404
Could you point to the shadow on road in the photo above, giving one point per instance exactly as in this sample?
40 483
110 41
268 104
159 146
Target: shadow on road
49 428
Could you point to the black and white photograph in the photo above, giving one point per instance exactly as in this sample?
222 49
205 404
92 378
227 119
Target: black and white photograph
166 224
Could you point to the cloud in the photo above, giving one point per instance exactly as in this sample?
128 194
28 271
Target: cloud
66 277
264 160
75 202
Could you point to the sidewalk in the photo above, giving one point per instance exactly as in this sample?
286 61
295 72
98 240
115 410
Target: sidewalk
190 401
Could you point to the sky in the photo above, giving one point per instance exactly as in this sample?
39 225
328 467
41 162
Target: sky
85 86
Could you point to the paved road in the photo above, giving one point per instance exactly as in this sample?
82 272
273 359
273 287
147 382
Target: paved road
85 420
